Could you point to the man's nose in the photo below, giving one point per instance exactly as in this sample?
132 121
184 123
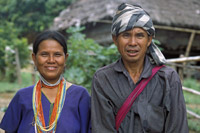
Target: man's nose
132 40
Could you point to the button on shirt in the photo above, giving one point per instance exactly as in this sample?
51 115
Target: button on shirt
159 108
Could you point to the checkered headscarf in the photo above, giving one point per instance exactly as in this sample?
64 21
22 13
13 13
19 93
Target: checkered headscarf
130 16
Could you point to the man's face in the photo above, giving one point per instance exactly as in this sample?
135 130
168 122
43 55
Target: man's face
132 44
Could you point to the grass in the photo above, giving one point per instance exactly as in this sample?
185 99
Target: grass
193 104
13 87
192 83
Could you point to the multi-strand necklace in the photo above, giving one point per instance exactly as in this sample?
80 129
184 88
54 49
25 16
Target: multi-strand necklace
40 126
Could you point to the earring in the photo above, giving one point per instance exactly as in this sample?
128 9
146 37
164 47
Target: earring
64 68
35 68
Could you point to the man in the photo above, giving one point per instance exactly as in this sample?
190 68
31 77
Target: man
160 107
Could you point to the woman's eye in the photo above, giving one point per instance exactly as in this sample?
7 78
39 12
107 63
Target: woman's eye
58 54
44 54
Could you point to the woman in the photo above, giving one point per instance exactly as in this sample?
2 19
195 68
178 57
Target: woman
52 104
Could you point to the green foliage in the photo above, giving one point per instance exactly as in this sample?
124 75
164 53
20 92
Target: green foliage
3 109
192 103
31 15
194 124
85 57
23 18
192 83
190 98
9 41
6 86
20 19
157 42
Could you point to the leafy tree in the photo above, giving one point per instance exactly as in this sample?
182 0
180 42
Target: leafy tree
85 57
20 21
8 42
31 16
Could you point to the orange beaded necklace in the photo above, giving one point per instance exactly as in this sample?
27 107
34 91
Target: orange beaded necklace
38 110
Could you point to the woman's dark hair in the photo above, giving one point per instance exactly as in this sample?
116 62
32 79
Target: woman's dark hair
47 35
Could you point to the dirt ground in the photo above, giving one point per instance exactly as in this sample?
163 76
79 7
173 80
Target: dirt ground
4 101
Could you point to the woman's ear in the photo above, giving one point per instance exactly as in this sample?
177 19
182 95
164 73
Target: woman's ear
34 58
66 56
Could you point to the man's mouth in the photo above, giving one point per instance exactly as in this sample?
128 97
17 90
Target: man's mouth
132 51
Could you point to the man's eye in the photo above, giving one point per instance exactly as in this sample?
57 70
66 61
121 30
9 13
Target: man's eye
140 35
126 35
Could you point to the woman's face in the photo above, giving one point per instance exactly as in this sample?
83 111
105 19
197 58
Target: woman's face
50 60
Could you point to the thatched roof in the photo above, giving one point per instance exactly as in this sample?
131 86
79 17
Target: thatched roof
179 13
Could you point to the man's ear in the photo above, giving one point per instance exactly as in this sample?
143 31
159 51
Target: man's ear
150 39
114 38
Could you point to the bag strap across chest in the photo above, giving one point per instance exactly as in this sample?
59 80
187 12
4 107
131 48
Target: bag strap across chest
131 98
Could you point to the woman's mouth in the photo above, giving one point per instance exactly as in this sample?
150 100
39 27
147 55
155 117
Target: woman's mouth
51 68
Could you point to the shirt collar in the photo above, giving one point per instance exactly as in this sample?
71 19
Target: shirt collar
119 67
147 71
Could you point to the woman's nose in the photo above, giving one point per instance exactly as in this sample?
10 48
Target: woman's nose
51 58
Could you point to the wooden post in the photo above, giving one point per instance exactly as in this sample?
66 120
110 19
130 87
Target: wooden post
18 66
188 52
190 44
180 70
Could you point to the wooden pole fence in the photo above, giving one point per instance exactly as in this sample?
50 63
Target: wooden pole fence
184 66
193 114
183 59
196 93
191 91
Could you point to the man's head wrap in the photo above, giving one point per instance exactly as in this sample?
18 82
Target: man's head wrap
129 16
